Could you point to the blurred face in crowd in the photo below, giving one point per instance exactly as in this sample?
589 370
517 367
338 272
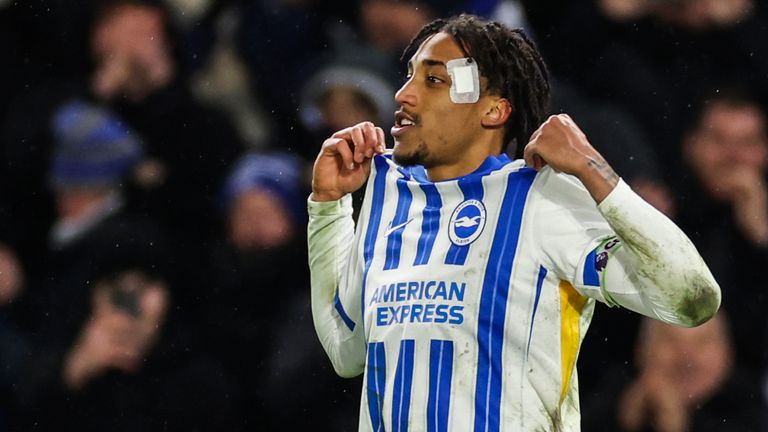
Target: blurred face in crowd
343 107
698 15
430 129
694 361
390 25
730 141
694 15
132 53
258 220
73 202
11 275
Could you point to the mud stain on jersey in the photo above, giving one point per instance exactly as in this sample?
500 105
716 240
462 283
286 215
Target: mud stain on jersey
692 296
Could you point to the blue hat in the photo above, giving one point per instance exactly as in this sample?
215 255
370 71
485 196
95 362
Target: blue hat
279 174
92 146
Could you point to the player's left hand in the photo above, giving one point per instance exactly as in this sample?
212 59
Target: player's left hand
560 144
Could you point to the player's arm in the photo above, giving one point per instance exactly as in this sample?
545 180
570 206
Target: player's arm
336 277
657 269
331 235
654 269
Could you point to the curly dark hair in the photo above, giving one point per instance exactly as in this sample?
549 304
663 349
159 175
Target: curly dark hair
509 61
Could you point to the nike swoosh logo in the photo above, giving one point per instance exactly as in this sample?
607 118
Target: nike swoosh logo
392 229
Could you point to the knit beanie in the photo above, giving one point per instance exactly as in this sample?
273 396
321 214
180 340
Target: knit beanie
92 147
279 174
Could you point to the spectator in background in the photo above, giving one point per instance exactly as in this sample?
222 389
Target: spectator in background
690 14
262 304
132 65
510 12
655 57
615 134
344 93
251 285
223 80
11 275
686 380
340 95
353 78
280 42
136 73
12 344
131 47
105 348
188 148
284 42
728 153
722 206
262 195
723 202
389 24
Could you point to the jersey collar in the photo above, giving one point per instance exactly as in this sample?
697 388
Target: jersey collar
419 174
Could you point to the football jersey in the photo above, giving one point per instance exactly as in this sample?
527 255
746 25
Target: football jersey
466 300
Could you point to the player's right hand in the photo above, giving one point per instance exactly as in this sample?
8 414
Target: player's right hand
344 161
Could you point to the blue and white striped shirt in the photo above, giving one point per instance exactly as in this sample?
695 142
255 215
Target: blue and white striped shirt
465 301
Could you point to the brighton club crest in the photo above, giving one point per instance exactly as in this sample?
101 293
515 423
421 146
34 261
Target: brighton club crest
467 222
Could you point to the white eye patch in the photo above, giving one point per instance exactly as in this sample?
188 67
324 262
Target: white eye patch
465 80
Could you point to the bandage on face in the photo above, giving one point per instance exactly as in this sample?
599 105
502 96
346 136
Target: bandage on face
465 80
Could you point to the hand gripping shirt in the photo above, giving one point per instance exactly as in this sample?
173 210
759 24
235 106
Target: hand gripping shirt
464 302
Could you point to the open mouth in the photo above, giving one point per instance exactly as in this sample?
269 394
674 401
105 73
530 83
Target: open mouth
403 121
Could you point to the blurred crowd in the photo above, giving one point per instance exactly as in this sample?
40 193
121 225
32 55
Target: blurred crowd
153 177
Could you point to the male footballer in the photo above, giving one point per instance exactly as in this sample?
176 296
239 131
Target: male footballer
466 288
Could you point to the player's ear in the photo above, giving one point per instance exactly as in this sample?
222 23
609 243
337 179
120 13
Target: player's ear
498 113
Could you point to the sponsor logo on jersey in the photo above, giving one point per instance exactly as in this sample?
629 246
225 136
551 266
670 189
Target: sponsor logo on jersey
425 301
467 222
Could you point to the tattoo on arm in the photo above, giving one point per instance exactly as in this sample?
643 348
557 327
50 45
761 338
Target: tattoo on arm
605 171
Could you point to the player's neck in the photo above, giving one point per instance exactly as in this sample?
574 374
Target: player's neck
467 162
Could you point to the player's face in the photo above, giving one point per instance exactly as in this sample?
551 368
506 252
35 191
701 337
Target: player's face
430 129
